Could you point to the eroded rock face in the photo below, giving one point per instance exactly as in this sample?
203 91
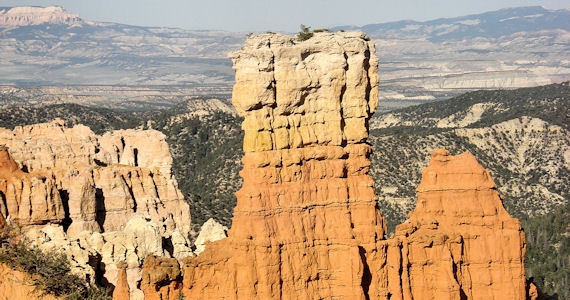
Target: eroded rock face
102 200
161 279
27 198
103 179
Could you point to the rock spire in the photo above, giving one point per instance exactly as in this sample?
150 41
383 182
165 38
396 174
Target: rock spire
306 215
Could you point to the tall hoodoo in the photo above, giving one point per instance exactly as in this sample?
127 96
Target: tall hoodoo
306 214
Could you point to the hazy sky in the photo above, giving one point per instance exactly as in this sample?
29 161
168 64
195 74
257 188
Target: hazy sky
262 15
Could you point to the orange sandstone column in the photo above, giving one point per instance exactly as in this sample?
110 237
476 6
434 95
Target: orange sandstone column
306 217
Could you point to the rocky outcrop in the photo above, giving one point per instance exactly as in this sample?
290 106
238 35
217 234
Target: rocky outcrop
306 224
459 242
210 231
30 15
27 198
161 278
121 291
102 200
103 180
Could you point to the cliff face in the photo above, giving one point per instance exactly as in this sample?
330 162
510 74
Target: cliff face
27 198
306 225
111 197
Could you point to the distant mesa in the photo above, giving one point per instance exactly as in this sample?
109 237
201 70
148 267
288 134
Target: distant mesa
32 15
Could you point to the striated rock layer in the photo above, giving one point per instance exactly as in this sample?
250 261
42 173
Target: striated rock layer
100 199
306 224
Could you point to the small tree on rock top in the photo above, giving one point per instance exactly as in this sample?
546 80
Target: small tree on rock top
305 33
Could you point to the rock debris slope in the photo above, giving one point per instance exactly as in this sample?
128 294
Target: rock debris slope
306 224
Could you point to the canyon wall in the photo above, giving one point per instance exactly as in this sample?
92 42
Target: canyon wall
100 199
306 224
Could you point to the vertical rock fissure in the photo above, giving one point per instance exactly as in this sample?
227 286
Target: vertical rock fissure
366 275
66 222
100 211
3 205
136 155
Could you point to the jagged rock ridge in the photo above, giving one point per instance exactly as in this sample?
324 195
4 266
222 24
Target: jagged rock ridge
100 199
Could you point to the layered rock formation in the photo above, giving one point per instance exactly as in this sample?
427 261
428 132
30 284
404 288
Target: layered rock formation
27 198
102 180
306 215
101 199
30 15
307 226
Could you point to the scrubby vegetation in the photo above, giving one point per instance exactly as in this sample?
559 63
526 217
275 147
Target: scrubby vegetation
50 271
549 103
547 259
207 155
98 119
